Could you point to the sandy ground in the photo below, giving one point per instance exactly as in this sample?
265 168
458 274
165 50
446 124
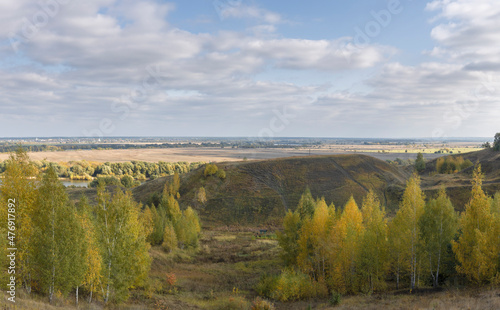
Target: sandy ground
203 154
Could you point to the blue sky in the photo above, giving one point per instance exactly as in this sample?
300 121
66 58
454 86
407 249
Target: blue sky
367 68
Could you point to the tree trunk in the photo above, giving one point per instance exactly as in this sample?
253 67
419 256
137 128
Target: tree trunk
397 277
91 290
432 273
77 296
51 293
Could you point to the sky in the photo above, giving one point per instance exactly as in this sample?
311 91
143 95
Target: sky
250 68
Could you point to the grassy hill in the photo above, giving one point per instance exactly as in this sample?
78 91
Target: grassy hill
261 191
458 185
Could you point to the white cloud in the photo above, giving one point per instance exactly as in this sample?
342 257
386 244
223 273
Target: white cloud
238 9
469 31
93 54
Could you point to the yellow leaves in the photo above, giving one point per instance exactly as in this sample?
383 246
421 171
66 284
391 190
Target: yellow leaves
147 221
477 247
373 251
351 221
348 233
169 238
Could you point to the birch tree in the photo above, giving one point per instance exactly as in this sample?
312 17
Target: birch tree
58 244
19 184
409 213
438 226
373 257
476 249
121 235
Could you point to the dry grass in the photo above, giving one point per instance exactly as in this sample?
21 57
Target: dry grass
192 154
446 300
226 270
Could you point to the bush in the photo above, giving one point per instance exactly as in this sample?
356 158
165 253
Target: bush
261 304
210 169
452 164
291 285
221 174
266 285
127 181
109 180
335 298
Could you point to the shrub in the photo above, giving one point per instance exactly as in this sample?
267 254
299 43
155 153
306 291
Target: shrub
221 174
109 180
335 298
127 181
210 169
291 285
261 304
266 285
452 164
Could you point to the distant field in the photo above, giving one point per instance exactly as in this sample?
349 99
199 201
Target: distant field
384 152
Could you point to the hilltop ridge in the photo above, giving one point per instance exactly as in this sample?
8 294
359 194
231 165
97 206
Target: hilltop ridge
260 191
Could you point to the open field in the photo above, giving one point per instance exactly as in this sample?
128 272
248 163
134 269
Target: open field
191 154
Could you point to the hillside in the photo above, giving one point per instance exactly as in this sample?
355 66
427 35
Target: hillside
260 191
458 185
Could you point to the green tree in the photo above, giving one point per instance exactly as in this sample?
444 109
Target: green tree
397 248
188 229
159 217
59 246
93 257
126 261
170 241
477 247
288 238
438 226
373 257
127 181
496 143
420 163
306 205
19 186
408 216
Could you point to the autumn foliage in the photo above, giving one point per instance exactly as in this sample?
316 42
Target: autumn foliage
351 249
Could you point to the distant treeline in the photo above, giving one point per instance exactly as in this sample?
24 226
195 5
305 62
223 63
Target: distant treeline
137 170
6 148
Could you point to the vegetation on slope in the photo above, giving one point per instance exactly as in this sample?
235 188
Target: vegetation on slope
262 191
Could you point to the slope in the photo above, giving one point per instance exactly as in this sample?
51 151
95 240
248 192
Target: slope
260 191
458 185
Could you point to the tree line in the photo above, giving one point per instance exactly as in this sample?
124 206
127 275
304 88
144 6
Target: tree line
360 249
137 170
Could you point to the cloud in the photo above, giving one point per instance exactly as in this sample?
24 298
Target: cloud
238 9
469 30
92 59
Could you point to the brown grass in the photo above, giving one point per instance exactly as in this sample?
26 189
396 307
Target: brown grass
228 266
194 154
